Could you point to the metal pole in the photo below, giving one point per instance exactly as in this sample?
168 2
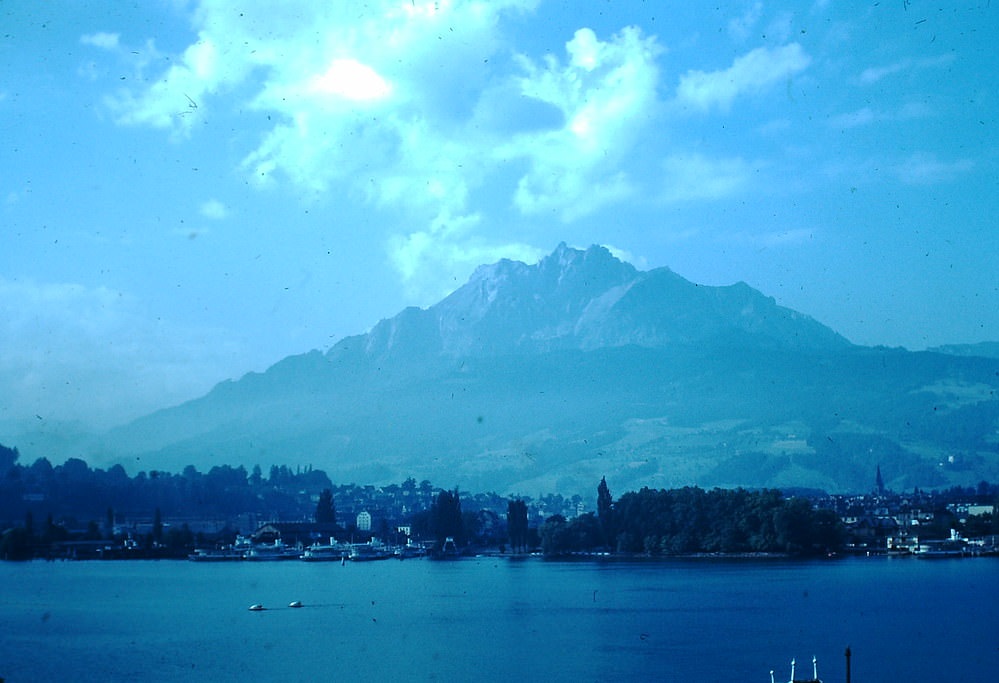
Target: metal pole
847 664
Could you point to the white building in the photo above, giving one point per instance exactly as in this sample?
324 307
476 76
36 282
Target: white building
364 521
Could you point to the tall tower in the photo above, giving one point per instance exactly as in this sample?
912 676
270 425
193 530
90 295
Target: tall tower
879 483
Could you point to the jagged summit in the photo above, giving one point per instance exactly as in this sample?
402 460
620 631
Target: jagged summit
510 306
566 271
597 260
588 299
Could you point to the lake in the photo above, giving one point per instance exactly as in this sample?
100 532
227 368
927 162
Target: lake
491 619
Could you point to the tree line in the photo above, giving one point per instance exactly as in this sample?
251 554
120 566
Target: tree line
692 520
75 491
654 522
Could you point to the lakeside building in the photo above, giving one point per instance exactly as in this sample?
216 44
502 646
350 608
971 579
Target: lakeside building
363 521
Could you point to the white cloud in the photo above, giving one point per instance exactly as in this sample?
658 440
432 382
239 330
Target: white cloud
874 74
376 102
386 102
926 169
214 209
751 73
695 177
622 255
105 41
866 115
606 93
436 261
351 80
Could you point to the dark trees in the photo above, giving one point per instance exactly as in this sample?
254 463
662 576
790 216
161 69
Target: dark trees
325 508
691 520
16 544
555 536
516 524
605 509
445 517
158 526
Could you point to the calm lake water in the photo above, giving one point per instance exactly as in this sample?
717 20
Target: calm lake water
499 620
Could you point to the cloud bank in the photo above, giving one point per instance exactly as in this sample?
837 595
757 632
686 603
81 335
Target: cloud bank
401 104
72 353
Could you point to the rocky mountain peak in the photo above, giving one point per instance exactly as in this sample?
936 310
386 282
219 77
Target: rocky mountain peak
595 266
547 375
510 305
587 299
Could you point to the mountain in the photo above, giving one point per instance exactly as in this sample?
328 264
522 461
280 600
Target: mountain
587 300
545 377
982 349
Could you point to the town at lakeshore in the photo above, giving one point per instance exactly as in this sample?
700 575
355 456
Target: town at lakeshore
71 511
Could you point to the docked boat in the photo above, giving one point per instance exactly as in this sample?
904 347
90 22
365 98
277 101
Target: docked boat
216 555
272 552
333 552
410 551
366 552
447 551
955 546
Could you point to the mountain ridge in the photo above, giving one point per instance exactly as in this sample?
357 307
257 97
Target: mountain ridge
548 376
590 299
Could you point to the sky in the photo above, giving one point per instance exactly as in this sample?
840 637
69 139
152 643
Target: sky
192 190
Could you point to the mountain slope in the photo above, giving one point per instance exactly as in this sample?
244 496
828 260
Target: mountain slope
545 377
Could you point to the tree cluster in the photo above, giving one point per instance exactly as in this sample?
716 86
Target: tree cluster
693 521
446 518
74 491
516 524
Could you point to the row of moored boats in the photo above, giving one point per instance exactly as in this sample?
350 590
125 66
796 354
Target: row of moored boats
328 552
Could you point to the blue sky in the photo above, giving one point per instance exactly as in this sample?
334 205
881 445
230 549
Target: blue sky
193 190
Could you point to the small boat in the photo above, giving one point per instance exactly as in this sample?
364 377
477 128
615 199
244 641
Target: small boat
257 607
447 551
295 604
